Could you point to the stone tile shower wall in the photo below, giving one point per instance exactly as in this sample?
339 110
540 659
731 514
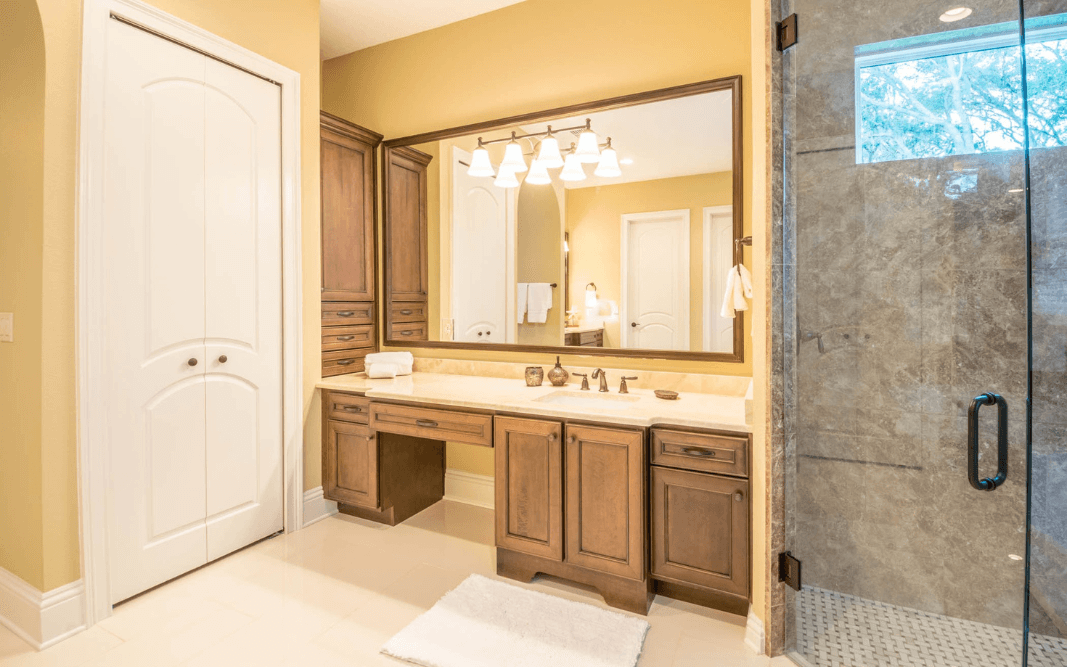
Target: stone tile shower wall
910 301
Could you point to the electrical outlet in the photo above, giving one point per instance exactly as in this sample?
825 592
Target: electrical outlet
446 329
7 327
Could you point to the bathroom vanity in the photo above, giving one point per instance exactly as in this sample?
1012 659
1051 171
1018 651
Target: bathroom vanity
626 493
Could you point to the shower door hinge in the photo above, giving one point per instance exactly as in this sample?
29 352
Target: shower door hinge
789 570
787 32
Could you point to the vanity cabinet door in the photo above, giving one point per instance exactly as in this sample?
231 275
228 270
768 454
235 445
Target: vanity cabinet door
700 530
350 464
529 486
605 492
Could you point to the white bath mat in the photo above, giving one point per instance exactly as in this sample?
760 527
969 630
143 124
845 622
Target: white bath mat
487 623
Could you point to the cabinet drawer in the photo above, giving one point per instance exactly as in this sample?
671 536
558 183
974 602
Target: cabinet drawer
348 338
590 338
413 311
408 331
343 361
700 530
703 452
350 464
348 407
347 312
473 429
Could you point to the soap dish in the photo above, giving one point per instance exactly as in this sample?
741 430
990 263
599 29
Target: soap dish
667 395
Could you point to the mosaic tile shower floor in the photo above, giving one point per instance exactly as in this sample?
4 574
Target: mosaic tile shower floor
837 630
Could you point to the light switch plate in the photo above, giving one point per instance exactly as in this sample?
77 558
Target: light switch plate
7 327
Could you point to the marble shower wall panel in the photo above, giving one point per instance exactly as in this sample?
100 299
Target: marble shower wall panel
910 301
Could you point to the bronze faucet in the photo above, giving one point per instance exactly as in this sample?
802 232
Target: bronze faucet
623 389
599 373
585 380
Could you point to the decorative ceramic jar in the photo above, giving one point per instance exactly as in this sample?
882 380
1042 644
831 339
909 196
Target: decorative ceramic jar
535 375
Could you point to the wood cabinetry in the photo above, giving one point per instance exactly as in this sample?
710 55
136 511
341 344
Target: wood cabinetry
350 473
529 486
349 256
407 272
584 338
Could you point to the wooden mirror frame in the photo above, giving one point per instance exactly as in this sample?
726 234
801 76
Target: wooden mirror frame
402 148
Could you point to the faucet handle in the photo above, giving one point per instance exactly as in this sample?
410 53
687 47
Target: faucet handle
585 380
623 389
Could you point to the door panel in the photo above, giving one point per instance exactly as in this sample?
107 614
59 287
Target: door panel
529 486
605 492
656 306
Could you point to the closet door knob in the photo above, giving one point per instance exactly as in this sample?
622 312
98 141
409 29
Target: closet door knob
193 362
223 359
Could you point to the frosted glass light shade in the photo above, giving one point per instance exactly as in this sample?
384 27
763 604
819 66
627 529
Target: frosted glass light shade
609 164
538 174
480 164
550 156
590 298
505 178
513 159
588 148
572 169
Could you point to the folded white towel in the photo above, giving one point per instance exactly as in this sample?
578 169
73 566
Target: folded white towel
400 358
401 369
522 290
538 302
381 370
738 286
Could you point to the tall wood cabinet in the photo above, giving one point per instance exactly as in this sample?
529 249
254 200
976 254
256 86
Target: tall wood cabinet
349 257
407 271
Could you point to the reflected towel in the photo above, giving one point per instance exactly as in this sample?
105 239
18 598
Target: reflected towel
381 370
738 287
538 302
522 290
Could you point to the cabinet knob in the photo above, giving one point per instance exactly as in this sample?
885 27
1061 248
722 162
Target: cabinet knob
552 437
193 361
738 496
570 439
223 358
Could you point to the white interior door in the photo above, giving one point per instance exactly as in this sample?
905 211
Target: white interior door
479 255
192 235
718 259
655 261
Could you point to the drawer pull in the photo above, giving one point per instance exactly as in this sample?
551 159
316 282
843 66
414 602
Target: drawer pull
348 408
739 496
406 333
346 362
345 337
406 311
345 313
693 451
427 423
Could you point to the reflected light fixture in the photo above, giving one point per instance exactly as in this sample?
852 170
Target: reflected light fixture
590 295
956 14
572 168
480 164
538 174
513 159
550 156
505 178
609 163
588 151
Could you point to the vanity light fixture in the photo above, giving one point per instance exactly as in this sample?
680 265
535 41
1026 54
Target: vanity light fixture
480 164
505 178
550 156
609 163
956 14
590 295
513 158
538 174
588 151
572 168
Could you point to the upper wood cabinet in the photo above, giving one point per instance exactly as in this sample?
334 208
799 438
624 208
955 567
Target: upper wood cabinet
529 486
406 234
605 491
349 187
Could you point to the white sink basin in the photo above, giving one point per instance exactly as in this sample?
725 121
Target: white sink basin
588 400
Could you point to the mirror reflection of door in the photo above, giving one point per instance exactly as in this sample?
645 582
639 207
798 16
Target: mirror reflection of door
655 261
718 259
479 238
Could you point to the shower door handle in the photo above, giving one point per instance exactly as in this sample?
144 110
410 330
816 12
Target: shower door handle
987 484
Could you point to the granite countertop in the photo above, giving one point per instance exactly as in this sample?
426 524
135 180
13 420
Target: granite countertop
638 408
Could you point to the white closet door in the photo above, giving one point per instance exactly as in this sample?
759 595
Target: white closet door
243 308
154 240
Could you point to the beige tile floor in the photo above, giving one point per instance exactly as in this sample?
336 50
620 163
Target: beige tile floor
330 595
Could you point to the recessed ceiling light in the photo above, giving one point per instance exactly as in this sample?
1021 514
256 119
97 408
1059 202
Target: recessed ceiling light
1016 190
956 14
1015 557
626 160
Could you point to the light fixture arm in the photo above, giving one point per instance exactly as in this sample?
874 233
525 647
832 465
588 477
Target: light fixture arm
532 135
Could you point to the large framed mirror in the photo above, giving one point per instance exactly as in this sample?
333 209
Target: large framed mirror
610 226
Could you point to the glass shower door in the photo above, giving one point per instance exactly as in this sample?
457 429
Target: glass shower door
906 209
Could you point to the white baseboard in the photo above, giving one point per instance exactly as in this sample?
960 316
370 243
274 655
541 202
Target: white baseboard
41 619
754 637
316 507
466 487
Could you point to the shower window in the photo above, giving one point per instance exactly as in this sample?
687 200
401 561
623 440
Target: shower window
959 92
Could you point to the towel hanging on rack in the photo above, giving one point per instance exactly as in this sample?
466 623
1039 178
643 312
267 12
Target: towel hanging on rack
738 289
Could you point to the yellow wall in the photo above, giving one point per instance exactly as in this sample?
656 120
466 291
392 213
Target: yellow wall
593 216
285 31
539 257
22 69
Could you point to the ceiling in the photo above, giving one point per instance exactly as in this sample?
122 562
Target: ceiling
350 25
